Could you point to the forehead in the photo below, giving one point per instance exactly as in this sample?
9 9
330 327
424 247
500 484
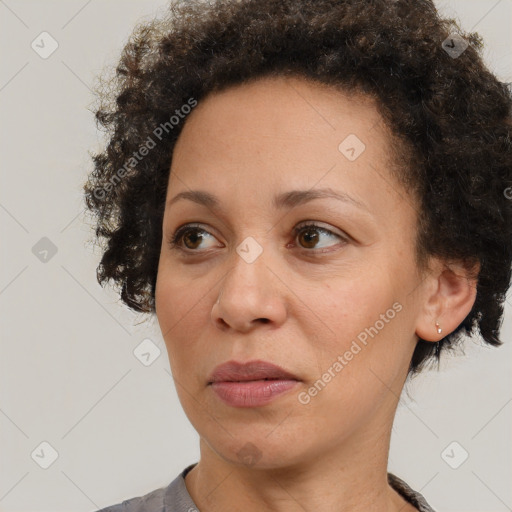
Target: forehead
282 133
285 108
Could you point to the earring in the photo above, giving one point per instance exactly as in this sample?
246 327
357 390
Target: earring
437 348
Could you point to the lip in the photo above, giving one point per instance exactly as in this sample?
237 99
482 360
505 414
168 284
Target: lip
252 393
233 371
244 384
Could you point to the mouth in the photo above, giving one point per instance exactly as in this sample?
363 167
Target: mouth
252 393
252 371
250 380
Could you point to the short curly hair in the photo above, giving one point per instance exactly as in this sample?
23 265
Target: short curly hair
450 113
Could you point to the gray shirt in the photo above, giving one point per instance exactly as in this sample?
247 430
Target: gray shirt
175 497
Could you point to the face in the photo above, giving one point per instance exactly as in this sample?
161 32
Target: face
325 287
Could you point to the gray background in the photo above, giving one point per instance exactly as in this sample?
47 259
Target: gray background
69 376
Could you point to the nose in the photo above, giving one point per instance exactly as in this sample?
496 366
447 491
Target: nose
251 294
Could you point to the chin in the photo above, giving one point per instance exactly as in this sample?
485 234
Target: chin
254 448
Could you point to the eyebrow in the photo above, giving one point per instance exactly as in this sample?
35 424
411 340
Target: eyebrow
286 200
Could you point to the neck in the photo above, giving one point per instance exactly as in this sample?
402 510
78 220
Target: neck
348 477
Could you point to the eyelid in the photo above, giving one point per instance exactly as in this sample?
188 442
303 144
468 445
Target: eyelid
344 238
180 230
321 226
198 227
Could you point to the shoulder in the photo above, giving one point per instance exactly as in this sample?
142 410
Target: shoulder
151 502
411 496
172 498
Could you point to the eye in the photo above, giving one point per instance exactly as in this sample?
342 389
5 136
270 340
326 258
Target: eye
309 237
189 234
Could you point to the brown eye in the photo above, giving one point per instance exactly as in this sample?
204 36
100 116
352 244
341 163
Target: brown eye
310 235
189 238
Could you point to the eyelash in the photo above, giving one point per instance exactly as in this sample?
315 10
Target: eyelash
174 242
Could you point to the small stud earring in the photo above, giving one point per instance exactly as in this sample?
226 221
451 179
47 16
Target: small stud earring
439 330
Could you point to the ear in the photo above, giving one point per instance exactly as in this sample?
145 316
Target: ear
449 295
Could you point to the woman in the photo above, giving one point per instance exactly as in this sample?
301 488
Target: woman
312 198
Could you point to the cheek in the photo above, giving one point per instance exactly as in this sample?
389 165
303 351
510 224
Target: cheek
358 326
183 309
178 298
347 306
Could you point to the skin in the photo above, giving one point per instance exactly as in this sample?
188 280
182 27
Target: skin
295 306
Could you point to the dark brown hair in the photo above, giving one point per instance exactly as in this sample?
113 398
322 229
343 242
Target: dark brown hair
451 114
